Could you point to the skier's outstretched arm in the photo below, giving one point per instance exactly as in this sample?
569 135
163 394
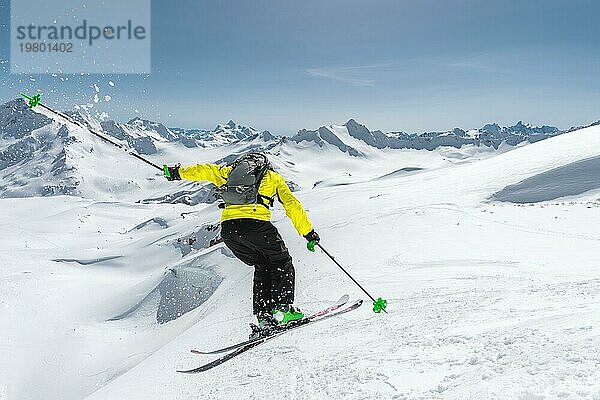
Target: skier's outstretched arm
202 172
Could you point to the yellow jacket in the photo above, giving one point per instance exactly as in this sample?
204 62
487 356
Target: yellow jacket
271 185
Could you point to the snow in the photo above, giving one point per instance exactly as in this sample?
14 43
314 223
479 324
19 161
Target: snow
568 180
487 299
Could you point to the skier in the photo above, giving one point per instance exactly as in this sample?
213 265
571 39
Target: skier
249 187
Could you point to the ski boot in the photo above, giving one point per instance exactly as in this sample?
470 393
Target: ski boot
287 315
281 318
266 325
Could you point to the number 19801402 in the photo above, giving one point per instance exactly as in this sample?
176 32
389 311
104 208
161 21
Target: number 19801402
46 47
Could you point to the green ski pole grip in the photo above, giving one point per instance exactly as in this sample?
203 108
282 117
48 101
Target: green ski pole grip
379 305
32 101
166 171
311 245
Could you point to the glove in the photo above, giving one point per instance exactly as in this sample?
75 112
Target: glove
312 235
313 240
172 173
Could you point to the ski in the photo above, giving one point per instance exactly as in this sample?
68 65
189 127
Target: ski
338 304
243 349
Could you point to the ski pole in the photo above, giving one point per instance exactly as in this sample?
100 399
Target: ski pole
35 101
379 305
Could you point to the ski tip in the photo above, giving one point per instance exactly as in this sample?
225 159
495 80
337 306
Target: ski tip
343 299
190 371
197 352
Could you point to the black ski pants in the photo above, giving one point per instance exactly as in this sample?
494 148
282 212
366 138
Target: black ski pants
258 243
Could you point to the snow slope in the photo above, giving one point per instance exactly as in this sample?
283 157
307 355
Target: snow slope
487 299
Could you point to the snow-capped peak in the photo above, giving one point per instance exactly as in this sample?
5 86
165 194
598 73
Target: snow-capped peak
491 135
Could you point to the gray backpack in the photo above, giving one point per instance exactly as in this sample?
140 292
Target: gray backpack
244 180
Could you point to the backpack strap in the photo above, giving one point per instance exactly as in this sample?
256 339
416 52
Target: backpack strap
266 200
262 199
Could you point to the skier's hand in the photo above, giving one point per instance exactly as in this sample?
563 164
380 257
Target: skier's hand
312 236
313 240
172 173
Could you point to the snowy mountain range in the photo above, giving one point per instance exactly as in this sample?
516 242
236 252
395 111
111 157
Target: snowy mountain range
222 134
491 135
41 156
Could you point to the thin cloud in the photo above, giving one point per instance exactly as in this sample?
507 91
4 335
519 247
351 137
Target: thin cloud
361 75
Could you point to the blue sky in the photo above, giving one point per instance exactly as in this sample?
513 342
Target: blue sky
390 64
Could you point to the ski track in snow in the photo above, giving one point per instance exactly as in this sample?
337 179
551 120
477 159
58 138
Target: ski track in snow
427 342
425 346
